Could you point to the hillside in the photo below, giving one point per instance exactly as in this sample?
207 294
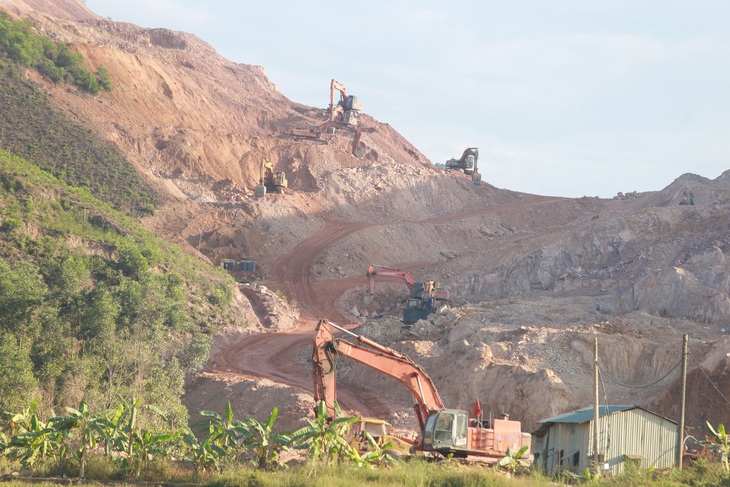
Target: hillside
533 279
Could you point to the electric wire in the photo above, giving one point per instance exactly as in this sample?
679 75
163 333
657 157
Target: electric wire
645 386
708 377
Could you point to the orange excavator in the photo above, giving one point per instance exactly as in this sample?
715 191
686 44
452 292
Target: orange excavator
442 430
425 296
342 115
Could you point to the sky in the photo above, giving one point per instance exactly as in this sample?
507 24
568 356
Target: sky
562 97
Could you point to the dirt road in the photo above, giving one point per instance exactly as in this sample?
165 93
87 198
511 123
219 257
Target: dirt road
274 355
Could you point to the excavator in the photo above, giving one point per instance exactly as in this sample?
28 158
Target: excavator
469 163
442 430
424 295
271 181
342 115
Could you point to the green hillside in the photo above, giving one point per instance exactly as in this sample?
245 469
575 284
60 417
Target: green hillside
92 305
32 129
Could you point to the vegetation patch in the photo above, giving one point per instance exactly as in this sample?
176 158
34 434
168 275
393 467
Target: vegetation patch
92 306
32 129
20 44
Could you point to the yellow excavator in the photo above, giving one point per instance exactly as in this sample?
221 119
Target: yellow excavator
271 181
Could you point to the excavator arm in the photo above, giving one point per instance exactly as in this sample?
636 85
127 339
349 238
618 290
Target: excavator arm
383 271
371 354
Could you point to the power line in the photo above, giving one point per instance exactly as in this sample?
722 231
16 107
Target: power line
646 386
708 378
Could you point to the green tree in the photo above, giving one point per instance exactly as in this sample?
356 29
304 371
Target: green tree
98 318
22 293
132 263
197 352
17 381
104 78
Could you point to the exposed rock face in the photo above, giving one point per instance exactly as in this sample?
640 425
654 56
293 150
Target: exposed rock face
533 279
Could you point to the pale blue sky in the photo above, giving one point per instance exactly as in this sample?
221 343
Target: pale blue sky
562 97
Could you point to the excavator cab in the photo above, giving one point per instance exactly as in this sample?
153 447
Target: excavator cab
469 164
445 430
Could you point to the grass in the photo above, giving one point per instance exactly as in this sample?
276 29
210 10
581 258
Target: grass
407 474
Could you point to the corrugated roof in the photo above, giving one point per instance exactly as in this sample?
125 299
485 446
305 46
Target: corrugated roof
586 414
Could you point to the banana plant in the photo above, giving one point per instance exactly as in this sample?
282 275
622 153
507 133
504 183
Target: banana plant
260 437
138 444
377 455
33 442
720 438
325 439
92 428
148 446
203 455
223 430
511 461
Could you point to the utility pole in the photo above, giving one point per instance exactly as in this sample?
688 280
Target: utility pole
680 436
595 406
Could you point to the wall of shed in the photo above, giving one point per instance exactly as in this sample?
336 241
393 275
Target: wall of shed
641 434
636 433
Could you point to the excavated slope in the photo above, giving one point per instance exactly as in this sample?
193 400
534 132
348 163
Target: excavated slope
534 279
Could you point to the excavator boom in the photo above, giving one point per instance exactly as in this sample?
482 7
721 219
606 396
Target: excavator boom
383 359
383 271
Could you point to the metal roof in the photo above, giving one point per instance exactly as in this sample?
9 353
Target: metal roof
586 414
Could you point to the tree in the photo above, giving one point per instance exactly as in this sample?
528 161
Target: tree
98 318
17 381
22 293
131 261
104 78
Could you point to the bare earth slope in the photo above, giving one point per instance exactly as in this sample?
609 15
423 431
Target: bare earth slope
533 279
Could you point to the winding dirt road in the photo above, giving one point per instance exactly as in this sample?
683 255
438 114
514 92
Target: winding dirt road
273 355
